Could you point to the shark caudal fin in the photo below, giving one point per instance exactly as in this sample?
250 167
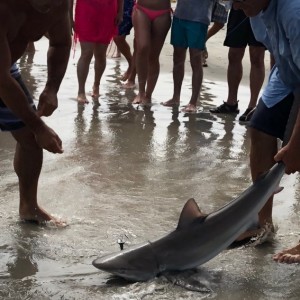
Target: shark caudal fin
190 213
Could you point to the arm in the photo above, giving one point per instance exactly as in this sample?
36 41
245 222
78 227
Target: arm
290 154
58 56
10 91
15 99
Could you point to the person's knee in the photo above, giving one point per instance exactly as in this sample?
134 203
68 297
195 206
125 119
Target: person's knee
257 57
235 55
86 55
261 140
120 40
179 56
255 135
153 59
26 139
143 50
196 59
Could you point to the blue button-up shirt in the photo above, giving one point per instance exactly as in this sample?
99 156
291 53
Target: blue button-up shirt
278 27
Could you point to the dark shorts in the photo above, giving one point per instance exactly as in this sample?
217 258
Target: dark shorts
273 120
239 32
126 25
8 121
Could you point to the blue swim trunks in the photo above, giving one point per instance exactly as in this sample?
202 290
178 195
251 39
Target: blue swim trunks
8 121
126 25
188 34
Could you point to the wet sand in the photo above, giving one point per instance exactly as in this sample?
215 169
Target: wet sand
126 173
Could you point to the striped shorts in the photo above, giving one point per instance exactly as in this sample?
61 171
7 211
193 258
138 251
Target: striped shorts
219 13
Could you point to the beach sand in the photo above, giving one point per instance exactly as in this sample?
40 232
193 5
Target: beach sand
126 173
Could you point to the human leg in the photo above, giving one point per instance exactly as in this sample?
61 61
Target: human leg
124 48
142 28
234 77
131 78
30 47
100 65
262 152
266 125
257 73
234 73
27 164
83 69
160 28
257 76
179 56
197 77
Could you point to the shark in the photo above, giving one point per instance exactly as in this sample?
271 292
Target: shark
198 237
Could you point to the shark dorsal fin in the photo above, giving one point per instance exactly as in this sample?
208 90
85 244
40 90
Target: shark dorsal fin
189 213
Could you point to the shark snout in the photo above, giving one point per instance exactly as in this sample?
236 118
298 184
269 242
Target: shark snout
134 264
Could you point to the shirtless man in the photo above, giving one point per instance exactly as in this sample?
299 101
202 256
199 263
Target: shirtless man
21 22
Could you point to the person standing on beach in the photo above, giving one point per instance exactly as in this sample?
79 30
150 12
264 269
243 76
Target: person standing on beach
189 31
17 111
96 23
151 22
219 18
124 48
276 23
239 35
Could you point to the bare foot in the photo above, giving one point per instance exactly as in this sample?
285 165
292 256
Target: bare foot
125 76
146 100
288 256
248 234
255 237
139 99
81 99
190 108
95 93
39 216
170 103
129 85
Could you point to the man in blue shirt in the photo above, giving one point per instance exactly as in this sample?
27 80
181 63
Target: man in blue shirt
276 23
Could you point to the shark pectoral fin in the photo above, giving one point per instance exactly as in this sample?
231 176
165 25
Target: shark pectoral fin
278 189
189 214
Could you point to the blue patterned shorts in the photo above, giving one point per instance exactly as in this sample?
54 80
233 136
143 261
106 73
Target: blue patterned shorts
219 14
126 25
8 121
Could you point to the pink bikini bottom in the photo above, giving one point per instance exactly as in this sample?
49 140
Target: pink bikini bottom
152 14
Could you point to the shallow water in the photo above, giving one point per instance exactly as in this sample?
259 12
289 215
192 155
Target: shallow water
126 173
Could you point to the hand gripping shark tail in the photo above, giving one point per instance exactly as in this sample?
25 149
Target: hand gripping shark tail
197 238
